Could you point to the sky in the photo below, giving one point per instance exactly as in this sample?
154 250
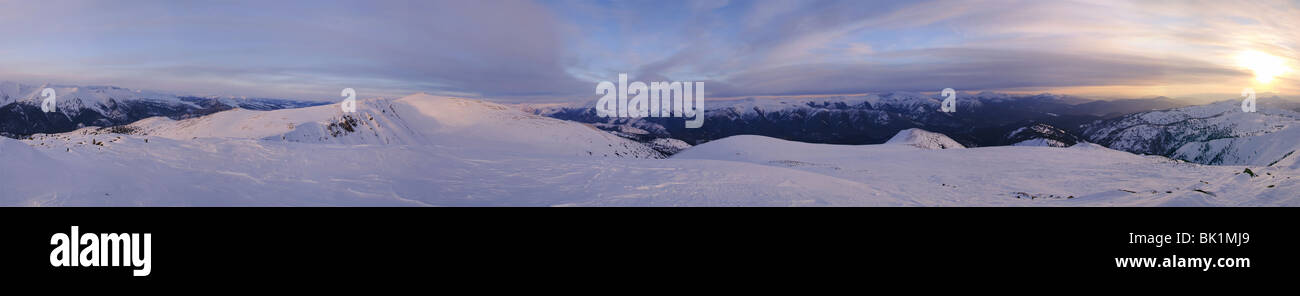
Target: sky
557 50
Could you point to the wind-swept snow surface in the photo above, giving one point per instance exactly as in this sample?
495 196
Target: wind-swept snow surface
238 172
1081 175
426 151
433 151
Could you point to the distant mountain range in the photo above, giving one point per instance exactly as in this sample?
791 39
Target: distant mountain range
423 150
1208 134
984 119
1217 133
81 106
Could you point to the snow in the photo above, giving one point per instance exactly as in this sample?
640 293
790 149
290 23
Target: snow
72 98
27 173
923 139
1017 132
1218 133
669 145
1040 142
1082 175
246 172
419 119
425 150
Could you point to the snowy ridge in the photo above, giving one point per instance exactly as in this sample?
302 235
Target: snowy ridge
1218 133
1042 135
419 119
923 139
1041 142
108 106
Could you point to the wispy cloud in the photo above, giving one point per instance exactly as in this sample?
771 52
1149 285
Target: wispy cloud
558 49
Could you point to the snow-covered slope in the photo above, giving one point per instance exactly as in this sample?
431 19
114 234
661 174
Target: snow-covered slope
923 139
1218 133
419 119
424 150
1081 175
1041 142
28 174
669 146
95 169
131 170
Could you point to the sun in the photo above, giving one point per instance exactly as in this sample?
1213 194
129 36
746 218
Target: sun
1265 66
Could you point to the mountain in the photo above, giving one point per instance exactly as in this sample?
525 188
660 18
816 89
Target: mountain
261 104
20 112
424 150
923 139
81 106
419 119
1041 135
1217 133
983 119
458 152
1114 108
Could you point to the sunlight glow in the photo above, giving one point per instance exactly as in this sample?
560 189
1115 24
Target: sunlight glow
1265 66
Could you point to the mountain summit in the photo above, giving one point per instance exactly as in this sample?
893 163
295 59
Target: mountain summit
923 139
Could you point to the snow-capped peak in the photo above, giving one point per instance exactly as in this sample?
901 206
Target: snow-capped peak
1216 133
72 98
924 139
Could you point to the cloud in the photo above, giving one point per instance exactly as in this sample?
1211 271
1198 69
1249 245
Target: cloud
968 69
558 49
489 48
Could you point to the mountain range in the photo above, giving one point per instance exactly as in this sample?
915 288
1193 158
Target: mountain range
1157 126
82 106
1216 133
425 150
